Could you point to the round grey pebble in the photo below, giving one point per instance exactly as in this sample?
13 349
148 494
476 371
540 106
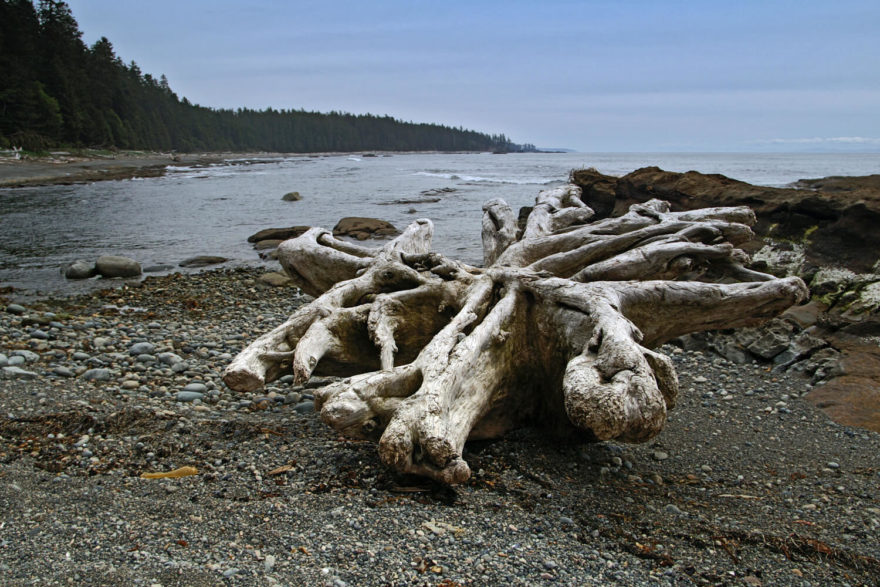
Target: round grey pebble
97 375
63 372
18 373
196 388
141 348
306 407
16 309
189 396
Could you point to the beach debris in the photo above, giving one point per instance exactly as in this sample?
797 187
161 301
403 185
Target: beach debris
175 474
558 328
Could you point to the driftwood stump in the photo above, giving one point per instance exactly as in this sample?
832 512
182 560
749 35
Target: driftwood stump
557 328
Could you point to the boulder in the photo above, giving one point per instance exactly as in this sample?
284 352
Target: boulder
115 266
277 233
291 197
202 261
80 270
364 228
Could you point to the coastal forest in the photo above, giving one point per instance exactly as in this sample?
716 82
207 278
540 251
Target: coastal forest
55 91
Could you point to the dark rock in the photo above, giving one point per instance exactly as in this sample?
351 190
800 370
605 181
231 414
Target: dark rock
267 244
80 270
837 224
116 266
364 228
291 197
158 268
806 315
772 341
280 234
202 261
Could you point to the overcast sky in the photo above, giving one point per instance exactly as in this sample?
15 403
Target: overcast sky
610 75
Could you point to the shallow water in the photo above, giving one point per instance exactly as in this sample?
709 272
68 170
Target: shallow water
212 211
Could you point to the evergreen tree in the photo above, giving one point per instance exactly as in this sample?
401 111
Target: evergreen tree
55 91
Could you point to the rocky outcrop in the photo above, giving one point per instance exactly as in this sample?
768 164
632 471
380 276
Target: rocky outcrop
291 197
830 221
823 230
364 228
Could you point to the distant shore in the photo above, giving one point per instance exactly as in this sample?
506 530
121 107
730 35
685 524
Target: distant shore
64 168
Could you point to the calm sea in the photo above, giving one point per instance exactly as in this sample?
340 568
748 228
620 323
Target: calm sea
212 211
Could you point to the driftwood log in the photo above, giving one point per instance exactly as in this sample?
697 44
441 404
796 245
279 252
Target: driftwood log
557 328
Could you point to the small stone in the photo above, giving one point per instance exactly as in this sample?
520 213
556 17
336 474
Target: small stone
169 358
97 375
230 572
659 455
130 384
18 373
196 388
189 396
550 565
16 309
39 334
833 465
62 372
700 379
306 407
28 356
673 509
141 348
269 563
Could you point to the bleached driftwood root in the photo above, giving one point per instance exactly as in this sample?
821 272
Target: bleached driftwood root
558 328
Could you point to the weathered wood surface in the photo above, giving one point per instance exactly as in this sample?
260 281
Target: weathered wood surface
558 328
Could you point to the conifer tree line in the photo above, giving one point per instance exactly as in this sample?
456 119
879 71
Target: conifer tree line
55 91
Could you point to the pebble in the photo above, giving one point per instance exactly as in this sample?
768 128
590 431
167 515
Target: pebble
16 309
306 407
659 455
141 348
97 375
200 388
18 373
189 396
63 372
4 360
28 356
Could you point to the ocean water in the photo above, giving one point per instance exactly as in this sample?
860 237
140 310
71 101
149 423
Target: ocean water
212 210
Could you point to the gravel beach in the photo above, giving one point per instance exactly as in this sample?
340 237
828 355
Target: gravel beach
747 485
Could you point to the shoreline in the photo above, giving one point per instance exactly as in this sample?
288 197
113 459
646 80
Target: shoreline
66 168
747 484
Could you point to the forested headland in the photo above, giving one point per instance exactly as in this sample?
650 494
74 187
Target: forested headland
55 91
